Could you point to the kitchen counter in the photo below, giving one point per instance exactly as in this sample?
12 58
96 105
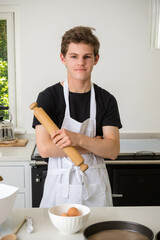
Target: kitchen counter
44 229
13 154
128 146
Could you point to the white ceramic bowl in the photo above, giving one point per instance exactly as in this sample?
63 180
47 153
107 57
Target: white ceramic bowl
68 224
7 199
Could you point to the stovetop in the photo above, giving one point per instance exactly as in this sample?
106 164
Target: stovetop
130 149
139 149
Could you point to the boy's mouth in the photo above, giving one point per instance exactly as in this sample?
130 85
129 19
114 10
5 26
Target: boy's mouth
80 69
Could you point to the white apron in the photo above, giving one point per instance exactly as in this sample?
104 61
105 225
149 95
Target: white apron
65 182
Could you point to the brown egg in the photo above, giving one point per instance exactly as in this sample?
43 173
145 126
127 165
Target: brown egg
73 212
64 215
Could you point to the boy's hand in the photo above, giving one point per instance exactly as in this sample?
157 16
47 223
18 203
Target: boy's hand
64 138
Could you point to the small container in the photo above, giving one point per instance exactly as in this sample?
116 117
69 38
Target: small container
6 127
6 132
68 225
29 224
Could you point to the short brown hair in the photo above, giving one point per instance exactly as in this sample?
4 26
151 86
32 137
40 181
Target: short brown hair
77 35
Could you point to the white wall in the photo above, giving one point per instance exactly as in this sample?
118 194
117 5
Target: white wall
127 67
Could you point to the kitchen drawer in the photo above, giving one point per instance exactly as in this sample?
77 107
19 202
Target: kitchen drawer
13 175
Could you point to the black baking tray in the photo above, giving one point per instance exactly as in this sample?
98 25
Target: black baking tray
157 236
118 225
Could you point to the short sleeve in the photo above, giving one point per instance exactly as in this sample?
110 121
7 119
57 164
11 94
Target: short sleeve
44 101
111 114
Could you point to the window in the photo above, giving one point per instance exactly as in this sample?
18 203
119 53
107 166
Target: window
4 100
8 61
155 24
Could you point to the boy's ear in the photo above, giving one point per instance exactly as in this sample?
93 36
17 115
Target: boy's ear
62 59
96 59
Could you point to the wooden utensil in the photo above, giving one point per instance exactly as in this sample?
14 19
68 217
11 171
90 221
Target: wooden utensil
12 236
50 126
17 143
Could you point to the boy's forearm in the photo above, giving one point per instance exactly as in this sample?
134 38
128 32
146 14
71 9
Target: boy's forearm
102 147
48 149
106 147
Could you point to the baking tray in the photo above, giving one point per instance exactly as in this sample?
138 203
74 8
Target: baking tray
157 236
137 231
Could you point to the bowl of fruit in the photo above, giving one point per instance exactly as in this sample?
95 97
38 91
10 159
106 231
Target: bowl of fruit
69 218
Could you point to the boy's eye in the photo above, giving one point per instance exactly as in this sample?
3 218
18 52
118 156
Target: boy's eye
85 57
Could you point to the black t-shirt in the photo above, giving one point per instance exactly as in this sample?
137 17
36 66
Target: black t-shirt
53 103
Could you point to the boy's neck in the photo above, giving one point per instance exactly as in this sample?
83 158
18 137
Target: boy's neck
79 86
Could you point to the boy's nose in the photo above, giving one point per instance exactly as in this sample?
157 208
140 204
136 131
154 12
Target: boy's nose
81 61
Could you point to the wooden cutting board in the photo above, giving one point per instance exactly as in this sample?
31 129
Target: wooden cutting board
15 143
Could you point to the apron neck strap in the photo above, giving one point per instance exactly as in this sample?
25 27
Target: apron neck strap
92 101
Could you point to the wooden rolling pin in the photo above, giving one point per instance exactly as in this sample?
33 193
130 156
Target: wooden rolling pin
50 126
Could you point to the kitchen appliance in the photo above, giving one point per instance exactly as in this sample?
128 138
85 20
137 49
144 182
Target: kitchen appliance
157 237
6 127
134 175
39 168
118 230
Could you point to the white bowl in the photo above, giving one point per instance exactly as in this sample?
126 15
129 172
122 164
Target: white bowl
7 199
68 224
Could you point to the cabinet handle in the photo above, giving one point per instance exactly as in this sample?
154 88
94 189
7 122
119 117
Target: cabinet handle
117 195
38 180
1 178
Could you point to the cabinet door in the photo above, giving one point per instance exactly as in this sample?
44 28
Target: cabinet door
18 175
13 175
136 187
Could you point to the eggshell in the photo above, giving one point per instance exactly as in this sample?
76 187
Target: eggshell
64 215
73 212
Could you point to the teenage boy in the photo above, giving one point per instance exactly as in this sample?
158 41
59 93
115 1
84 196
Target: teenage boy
88 118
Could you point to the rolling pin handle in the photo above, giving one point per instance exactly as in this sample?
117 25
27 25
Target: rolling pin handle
33 106
83 167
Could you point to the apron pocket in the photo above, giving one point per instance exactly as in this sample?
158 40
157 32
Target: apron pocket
97 196
68 194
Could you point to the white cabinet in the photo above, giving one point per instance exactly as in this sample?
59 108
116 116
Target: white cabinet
18 174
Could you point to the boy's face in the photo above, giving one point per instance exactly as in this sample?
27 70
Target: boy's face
79 61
